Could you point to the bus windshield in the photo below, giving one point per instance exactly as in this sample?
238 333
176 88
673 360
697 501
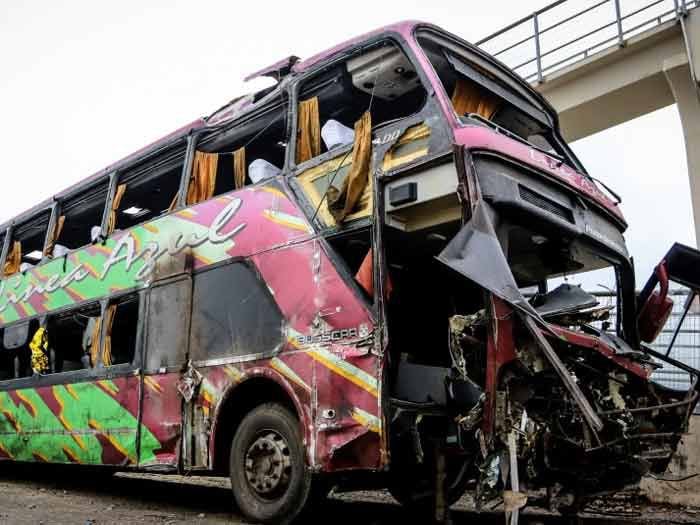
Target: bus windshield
478 95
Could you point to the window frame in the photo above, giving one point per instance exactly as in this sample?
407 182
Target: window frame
295 89
86 374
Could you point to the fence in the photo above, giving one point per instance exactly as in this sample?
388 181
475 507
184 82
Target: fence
686 342
566 32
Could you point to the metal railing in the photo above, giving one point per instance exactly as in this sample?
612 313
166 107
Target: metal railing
566 32
686 342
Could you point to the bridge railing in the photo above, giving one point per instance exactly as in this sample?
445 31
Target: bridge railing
566 32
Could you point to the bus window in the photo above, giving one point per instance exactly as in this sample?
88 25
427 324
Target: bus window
233 314
82 219
14 350
121 327
147 190
249 152
27 244
168 308
72 337
477 93
382 81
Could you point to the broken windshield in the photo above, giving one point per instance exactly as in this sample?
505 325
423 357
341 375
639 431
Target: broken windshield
478 95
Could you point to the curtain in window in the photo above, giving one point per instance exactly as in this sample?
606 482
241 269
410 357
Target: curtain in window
95 342
107 347
203 178
116 202
469 97
341 202
239 169
14 259
309 131
54 236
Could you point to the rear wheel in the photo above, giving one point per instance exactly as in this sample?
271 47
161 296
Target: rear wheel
269 477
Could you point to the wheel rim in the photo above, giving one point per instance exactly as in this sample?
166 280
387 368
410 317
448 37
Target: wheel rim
268 464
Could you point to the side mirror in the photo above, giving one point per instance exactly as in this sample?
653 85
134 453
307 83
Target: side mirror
657 308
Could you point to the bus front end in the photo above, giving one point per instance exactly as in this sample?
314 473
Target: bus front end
517 343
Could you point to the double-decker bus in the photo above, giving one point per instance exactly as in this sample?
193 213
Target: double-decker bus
351 278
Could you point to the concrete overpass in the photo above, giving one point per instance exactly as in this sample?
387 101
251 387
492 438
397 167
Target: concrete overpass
602 63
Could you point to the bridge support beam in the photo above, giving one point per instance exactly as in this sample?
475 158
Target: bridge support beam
687 98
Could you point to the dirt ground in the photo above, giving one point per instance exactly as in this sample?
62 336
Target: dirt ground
47 495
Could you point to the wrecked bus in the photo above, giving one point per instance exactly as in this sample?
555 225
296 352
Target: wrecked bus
351 278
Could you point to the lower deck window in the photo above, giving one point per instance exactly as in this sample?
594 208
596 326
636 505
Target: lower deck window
233 314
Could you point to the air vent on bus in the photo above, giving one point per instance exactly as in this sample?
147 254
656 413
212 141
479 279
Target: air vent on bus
544 203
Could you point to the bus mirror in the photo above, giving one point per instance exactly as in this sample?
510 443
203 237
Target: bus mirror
656 310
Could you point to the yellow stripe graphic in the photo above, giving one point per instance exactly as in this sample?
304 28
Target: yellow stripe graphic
372 422
345 369
287 372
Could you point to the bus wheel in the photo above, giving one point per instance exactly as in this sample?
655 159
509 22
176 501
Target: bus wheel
269 477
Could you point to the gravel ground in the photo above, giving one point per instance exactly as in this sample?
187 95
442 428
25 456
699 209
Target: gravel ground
49 495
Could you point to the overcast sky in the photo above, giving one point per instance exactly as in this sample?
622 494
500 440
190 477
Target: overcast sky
85 83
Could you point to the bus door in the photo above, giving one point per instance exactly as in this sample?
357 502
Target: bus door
166 344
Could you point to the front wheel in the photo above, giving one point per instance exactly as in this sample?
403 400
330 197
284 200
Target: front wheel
269 477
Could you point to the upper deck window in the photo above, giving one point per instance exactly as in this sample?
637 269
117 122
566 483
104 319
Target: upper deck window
79 219
339 109
147 190
26 247
380 80
250 151
477 93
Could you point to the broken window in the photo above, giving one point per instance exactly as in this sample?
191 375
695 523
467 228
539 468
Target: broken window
73 337
15 356
147 190
338 110
27 244
380 80
121 321
82 219
249 152
477 93
233 314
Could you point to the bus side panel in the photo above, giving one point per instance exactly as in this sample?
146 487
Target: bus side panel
91 423
329 331
162 418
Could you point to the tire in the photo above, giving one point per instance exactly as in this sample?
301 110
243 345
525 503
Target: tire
269 478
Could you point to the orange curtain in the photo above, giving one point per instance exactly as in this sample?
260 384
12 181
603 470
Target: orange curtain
55 234
309 131
239 170
341 202
14 259
107 347
365 276
203 179
95 342
469 97
116 202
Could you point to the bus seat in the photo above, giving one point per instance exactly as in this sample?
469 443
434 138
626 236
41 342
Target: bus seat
95 233
335 134
260 169
59 250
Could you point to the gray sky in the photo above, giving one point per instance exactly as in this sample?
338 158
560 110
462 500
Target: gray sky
86 83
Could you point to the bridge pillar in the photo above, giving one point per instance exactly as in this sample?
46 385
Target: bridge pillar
687 97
